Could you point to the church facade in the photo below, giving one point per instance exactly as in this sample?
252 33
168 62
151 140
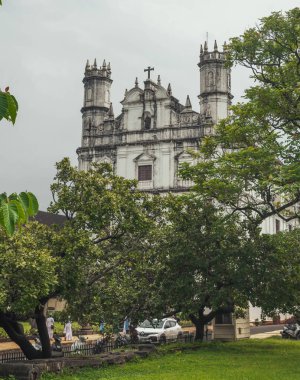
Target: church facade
151 137
153 134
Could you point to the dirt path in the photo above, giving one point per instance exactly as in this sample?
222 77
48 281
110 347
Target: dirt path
7 346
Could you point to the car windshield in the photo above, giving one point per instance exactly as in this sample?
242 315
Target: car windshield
155 323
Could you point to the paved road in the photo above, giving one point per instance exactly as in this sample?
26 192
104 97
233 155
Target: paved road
265 328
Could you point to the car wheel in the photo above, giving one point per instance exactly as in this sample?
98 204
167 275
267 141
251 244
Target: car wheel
162 339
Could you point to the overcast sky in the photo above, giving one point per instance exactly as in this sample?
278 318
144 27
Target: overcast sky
44 45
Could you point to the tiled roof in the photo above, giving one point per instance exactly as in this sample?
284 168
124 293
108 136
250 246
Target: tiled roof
48 218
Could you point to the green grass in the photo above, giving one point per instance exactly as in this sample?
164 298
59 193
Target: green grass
269 359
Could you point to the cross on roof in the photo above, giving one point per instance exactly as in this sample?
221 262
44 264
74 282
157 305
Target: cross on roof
149 69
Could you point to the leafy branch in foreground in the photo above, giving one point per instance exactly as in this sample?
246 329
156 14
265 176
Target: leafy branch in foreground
8 106
15 210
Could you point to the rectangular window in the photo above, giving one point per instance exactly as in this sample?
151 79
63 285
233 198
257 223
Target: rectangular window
224 319
145 173
277 225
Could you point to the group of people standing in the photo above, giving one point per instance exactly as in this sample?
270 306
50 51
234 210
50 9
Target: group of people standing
67 329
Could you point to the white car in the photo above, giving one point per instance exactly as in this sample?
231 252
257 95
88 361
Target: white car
159 330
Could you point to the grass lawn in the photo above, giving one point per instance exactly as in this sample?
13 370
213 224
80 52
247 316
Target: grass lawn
244 360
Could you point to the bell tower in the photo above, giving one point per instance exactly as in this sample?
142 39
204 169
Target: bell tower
215 83
96 102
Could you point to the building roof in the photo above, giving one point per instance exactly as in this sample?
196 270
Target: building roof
48 218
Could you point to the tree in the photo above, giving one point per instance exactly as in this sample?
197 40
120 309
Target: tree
27 275
251 164
100 261
208 261
107 243
277 273
213 264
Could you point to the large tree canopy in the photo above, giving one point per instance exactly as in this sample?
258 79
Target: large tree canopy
102 261
212 263
252 162
28 275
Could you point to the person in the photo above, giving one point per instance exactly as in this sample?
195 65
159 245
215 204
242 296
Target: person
37 343
68 331
50 326
56 346
126 326
101 328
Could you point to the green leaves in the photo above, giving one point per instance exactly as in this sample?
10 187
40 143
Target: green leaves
8 106
252 159
16 209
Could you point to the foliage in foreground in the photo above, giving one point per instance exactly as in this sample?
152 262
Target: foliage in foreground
269 359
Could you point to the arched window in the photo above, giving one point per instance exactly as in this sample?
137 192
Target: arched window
147 122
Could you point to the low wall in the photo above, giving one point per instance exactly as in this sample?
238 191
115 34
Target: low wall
32 369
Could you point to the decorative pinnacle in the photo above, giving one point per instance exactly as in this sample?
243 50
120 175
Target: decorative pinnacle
125 94
215 46
108 67
136 82
224 46
201 49
169 89
111 111
158 80
95 64
205 46
188 102
87 66
104 65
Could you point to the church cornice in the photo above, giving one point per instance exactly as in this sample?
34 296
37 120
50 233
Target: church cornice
94 108
87 78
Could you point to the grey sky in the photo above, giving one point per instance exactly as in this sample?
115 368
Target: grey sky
44 47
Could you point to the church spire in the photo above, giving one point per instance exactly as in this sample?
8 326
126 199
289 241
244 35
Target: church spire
201 49
205 47
215 46
188 102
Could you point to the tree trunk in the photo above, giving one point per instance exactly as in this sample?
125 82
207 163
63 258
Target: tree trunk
43 331
199 324
13 330
199 331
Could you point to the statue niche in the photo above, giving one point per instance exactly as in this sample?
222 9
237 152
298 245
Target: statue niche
210 79
147 122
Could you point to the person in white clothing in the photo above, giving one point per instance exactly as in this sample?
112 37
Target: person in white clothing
50 326
68 331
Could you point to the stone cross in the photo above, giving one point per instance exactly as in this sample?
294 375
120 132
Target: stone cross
149 69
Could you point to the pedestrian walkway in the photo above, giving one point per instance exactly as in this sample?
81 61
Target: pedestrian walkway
265 335
7 346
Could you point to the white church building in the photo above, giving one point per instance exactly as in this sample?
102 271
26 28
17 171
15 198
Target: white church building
150 138
154 132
